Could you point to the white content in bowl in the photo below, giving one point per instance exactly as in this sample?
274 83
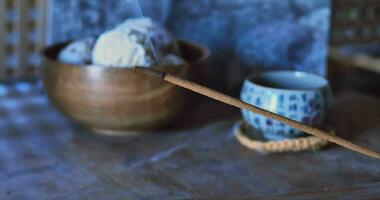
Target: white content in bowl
136 42
78 52
114 48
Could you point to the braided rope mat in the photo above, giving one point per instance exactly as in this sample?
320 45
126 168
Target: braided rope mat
287 145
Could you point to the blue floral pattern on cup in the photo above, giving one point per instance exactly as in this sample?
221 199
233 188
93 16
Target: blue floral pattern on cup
303 104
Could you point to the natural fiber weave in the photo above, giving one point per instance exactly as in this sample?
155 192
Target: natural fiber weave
287 145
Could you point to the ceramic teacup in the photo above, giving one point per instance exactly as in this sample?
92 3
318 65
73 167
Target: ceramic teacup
300 96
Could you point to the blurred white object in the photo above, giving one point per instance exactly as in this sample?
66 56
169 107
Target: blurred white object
130 44
172 59
78 52
117 49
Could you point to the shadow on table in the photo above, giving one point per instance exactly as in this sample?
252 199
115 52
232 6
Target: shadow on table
206 112
353 114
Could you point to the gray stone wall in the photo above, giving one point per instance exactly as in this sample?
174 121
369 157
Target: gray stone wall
243 35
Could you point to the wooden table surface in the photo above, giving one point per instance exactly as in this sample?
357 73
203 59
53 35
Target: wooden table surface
43 155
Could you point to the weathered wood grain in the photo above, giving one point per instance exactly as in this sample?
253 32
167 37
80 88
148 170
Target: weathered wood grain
45 156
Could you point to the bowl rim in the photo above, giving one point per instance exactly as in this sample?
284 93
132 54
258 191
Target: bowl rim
46 53
250 80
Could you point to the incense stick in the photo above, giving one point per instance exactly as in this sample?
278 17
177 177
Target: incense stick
240 104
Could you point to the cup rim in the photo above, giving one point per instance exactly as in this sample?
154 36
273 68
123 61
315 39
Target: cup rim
254 76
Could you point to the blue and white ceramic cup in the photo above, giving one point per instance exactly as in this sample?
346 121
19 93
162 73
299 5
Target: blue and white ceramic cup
297 95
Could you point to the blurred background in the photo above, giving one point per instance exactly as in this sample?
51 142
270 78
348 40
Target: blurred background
242 35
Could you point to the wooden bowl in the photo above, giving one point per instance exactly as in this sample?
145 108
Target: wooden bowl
118 101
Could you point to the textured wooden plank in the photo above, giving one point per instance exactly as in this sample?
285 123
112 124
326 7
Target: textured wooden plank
365 191
50 157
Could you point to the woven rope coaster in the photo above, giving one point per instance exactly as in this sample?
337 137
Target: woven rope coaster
287 145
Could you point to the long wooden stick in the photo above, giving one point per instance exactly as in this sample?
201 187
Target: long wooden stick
240 104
